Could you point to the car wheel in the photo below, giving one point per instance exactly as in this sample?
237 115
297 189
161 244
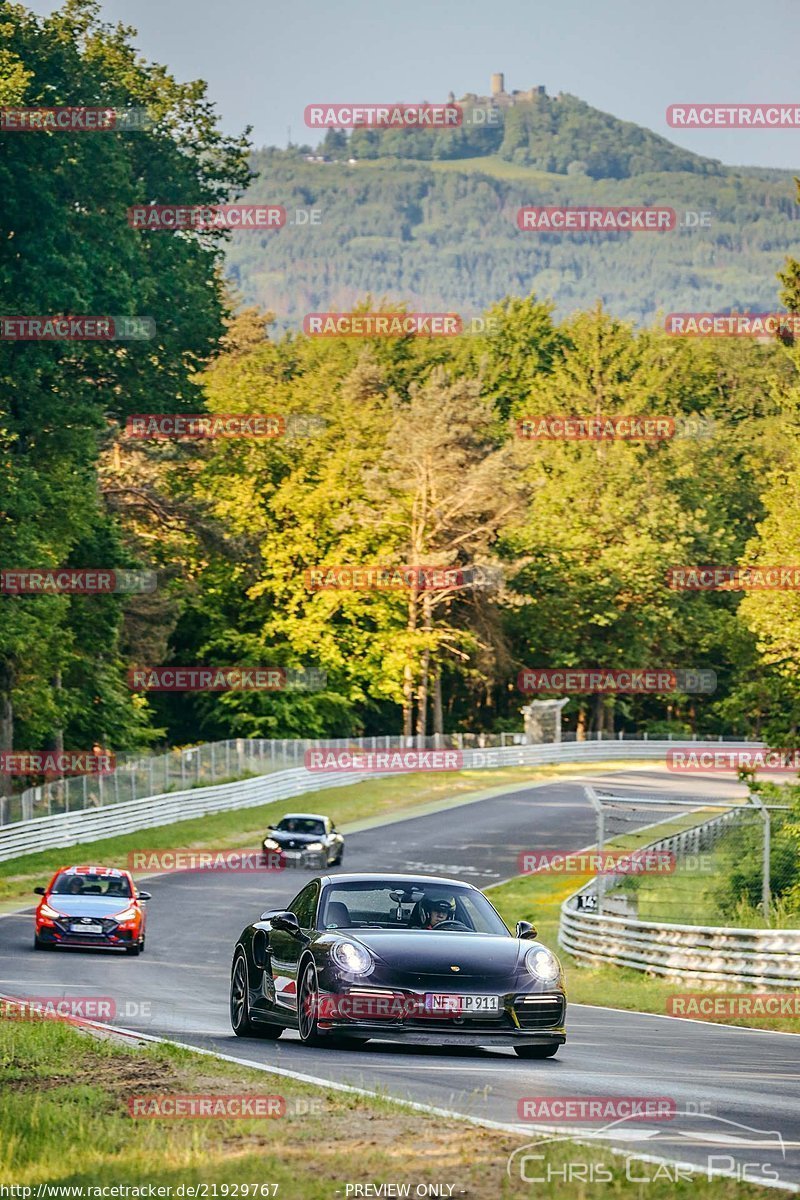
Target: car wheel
133 950
545 1051
39 945
337 862
308 1007
240 1005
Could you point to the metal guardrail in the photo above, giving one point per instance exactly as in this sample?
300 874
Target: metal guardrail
760 957
137 777
62 829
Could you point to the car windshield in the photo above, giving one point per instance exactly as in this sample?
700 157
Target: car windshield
87 884
302 825
389 904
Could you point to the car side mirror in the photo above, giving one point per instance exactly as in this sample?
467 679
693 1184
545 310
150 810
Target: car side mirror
270 827
286 922
144 895
40 891
526 931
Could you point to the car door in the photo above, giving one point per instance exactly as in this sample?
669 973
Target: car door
285 950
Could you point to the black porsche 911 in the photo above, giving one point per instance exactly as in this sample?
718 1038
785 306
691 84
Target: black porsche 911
398 958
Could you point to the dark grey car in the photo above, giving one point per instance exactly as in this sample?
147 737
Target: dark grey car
305 840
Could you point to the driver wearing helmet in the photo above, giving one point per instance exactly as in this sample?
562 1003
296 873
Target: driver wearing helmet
436 910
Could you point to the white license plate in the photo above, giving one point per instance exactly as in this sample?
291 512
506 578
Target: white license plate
458 1005
293 854
86 928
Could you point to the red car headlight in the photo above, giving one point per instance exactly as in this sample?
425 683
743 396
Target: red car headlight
49 913
127 914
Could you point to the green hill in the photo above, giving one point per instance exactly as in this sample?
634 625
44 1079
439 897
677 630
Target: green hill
557 134
439 230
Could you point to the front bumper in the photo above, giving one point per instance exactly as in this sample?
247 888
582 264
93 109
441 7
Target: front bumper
112 937
524 1019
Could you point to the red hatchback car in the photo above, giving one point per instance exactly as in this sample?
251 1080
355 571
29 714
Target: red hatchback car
91 906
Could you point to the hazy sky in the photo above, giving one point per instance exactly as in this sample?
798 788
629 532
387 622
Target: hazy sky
264 60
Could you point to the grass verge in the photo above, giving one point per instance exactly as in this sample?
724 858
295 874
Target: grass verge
64 1115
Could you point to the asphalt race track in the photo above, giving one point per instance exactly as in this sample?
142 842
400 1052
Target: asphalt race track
737 1091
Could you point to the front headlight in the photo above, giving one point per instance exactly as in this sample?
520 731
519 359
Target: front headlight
315 846
127 914
543 964
352 958
271 844
46 911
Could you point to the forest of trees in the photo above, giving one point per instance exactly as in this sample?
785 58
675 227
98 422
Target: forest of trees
412 459
445 236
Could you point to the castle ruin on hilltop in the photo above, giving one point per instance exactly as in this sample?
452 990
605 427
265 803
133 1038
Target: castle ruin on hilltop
500 98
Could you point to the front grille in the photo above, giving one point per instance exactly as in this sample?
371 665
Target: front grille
108 924
539 1012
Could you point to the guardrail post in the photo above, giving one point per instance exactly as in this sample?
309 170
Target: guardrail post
766 881
591 796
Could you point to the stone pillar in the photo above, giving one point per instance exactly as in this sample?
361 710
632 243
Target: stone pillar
543 720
